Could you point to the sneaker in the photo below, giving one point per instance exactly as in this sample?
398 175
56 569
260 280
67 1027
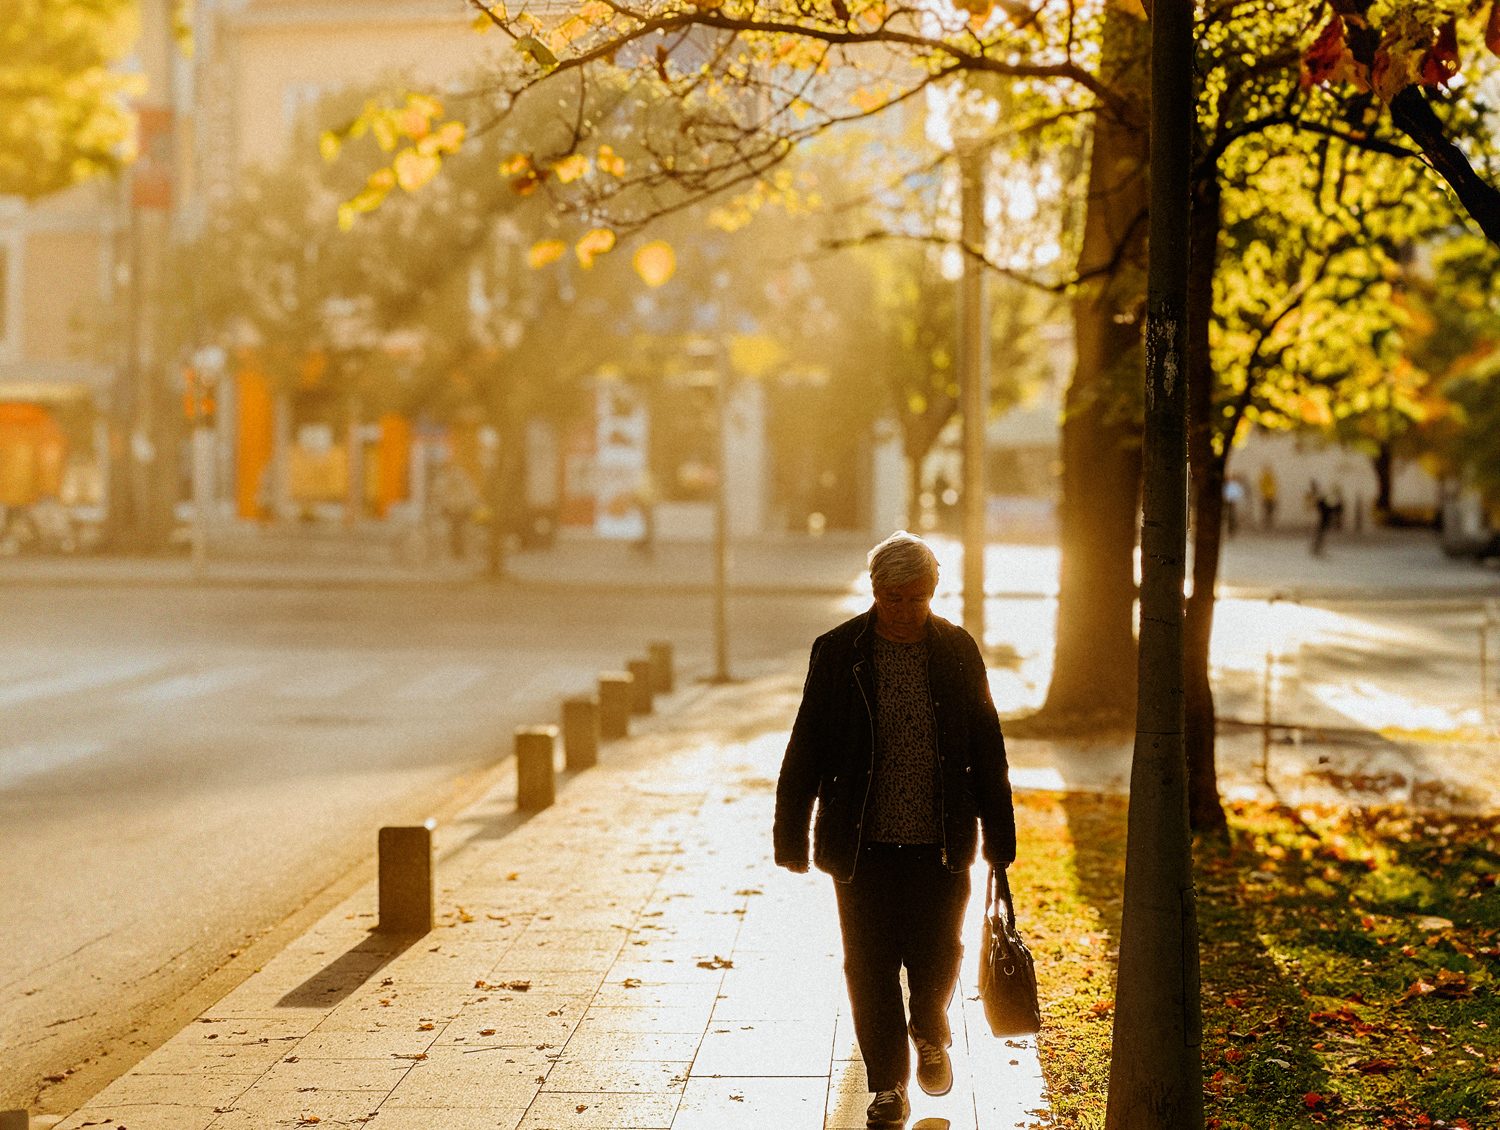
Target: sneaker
934 1068
889 1111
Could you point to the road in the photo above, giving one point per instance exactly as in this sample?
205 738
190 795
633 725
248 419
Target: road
183 771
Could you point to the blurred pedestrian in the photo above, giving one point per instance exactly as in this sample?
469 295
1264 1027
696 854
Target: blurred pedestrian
898 744
1268 491
645 501
1322 503
1234 498
457 500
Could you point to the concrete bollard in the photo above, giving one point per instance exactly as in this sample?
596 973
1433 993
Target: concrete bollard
580 732
406 896
614 704
14 1120
663 679
640 686
536 762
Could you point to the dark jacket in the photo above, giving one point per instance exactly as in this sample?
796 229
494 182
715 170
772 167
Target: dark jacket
830 758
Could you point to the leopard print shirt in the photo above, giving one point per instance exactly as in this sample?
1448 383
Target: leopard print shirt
903 795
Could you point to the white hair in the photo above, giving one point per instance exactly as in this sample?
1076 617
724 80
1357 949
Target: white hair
901 558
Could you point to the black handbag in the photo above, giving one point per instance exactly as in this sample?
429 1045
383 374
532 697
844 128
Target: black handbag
1007 975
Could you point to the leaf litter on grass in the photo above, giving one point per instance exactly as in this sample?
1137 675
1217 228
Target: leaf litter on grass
1348 957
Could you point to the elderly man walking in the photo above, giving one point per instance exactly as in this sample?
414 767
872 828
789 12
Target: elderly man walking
898 744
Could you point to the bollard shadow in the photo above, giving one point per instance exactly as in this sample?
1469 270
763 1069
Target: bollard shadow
503 818
340 978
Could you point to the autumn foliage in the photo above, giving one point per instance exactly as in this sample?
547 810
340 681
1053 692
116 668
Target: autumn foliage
1411 49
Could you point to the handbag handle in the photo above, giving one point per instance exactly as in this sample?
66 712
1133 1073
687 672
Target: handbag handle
998 889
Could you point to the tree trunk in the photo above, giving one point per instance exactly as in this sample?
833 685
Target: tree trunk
1156 1065
1093 674
1205 811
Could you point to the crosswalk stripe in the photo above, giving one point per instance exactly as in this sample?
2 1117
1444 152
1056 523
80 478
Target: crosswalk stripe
22 761
196 684
91 677
443 684
329 681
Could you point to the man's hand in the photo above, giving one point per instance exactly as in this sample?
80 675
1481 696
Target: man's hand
796 866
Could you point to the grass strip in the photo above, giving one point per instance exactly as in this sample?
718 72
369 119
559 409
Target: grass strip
1349 963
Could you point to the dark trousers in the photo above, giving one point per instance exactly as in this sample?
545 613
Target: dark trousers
902 908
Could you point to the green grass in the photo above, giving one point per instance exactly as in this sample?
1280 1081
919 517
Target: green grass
1349 963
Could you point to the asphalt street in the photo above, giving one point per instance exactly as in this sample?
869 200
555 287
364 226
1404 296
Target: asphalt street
183 770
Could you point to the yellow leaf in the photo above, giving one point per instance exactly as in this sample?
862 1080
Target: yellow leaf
414 169
574 27
383 126
347 214
571 167
414 124
609 161
867 101
655 262
537 51
329 145
381 181
545 252
447 138
515 164
593 244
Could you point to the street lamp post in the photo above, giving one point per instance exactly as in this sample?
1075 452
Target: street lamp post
721 522
974 380
712 371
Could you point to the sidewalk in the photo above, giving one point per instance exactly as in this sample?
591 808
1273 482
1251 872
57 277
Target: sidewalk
771 566
628 958
1376 565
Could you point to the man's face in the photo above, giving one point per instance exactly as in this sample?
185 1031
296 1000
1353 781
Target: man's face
901 611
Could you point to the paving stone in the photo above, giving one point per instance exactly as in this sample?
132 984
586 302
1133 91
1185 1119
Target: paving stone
645 1018
617 1076
722 1104
616 992
767 1048
477 1077
162 1116
451 962
634 1045
587 1110
274 1109
497 1117
189 1057
385 1044
191 1089
295 1074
